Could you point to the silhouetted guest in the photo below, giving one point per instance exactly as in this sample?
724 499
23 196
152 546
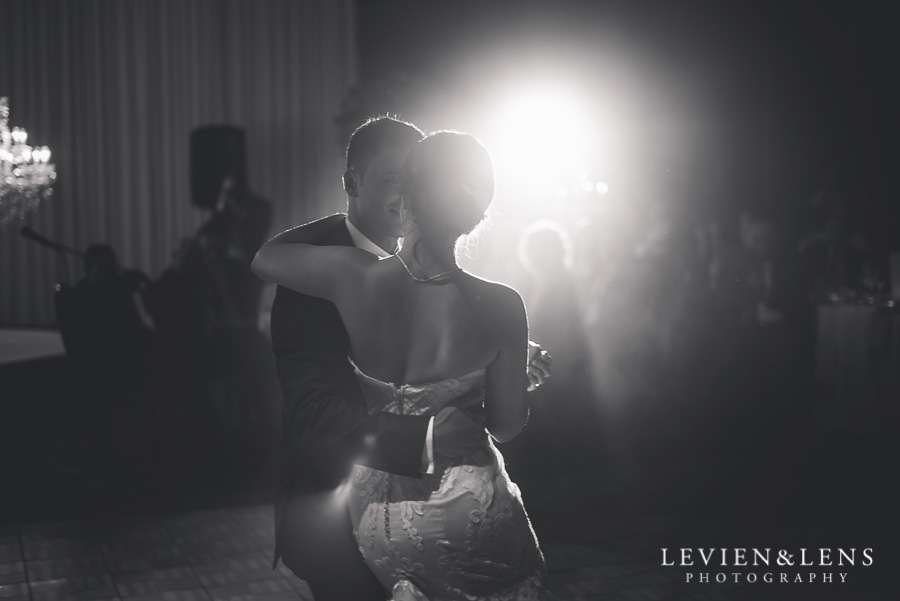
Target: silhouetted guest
601 254
772 342
775 290
728 272
836 255
184 304
758 281
550 292
563 414
113 328
204 355
706 244
234 232
601 261
656 278
107 336
697 316
231 236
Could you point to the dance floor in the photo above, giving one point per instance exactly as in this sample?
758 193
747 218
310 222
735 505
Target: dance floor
173 518
601 533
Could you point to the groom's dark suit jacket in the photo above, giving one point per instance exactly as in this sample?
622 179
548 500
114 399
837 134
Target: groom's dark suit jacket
326 427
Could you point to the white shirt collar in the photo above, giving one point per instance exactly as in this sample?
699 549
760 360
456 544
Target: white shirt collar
361 241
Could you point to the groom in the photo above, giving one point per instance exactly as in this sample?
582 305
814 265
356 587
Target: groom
326 427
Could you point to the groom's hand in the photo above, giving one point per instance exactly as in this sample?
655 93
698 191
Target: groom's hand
458 432
540 364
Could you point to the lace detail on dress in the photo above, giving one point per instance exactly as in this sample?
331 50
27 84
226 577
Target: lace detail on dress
460 533
408 509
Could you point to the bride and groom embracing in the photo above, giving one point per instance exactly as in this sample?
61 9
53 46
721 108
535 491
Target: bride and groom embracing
396 371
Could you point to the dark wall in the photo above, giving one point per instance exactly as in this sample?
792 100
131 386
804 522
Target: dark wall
115 88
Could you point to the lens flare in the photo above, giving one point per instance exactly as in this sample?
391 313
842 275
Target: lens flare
539 135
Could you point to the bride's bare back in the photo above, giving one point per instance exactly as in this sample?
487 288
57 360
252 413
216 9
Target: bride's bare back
410 332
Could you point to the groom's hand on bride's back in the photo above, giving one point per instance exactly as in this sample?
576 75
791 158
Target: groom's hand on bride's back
458 432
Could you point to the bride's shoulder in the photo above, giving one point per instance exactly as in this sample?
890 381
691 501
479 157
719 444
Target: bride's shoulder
494 296
497 308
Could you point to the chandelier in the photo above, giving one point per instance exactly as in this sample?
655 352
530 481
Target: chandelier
26 175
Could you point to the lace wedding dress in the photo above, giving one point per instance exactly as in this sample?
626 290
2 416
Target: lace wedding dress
460 533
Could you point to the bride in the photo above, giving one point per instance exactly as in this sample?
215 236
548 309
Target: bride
424 334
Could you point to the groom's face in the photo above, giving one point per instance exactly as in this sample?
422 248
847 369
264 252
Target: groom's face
378 191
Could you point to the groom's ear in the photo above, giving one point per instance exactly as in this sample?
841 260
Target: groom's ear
349 181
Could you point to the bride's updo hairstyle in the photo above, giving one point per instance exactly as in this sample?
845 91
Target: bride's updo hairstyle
448 179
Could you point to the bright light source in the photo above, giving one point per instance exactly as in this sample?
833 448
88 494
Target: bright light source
602 187
587 185
536 137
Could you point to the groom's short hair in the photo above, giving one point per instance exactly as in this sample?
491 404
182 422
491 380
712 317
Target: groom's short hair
377 133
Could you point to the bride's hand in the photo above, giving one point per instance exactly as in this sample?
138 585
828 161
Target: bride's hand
539 365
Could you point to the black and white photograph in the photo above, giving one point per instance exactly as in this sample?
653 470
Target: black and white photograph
470 300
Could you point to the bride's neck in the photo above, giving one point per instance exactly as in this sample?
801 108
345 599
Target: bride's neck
429 251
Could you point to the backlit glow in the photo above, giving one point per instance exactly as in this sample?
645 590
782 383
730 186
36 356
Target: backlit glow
540 137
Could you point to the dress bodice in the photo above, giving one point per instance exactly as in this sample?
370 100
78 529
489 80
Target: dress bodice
422 399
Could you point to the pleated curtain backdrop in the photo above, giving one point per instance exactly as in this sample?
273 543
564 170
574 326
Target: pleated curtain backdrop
115 87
